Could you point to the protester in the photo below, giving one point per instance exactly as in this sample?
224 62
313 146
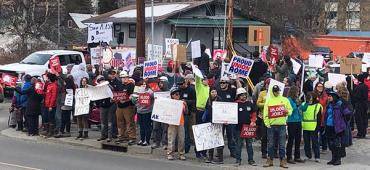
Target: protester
22 103
144 101
288 83
69 88
259 68
360 99
344 95
261 105
228 94
311 120
219 157
294 124
32 108
308 85
176 132
125 111
336 115
203 61
79 72
284 69
246 117
202 95
50 103
82 120
277 109
160 133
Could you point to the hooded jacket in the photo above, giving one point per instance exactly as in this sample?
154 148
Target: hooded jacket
51 95
296 115
340 112
273 113
202 93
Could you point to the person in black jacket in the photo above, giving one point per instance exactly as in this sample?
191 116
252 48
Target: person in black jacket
33 109
259 68
359 97
203 61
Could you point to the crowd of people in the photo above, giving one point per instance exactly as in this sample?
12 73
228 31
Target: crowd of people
323 114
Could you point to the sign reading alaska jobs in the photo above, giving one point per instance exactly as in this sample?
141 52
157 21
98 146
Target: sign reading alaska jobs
240 66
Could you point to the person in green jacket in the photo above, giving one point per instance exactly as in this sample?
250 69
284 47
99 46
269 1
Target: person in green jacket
202 95
276 110
311 118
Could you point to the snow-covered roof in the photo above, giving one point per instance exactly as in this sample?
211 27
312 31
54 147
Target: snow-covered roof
78 18
159 10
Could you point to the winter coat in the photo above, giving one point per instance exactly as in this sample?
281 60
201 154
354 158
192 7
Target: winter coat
144 101
189 96
246 113
359 95
296 114
33 103
283 71
22 102
341 113
203 63
51 95
272 102
202 93
209 108
259 68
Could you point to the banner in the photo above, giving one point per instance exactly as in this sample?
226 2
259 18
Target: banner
195 49
150 69
100 32
315 61
167 111
169 43
82 104
225 112
54 64
272 84
240 66
248 131
9 80
276 111
219 54
155 52
100 91
208 136
336 78
120 96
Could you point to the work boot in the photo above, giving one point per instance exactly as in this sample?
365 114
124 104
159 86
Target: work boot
51 130
19 126
268 163
86 134
219 156
210 156
79 135
283 163
291 161
45 129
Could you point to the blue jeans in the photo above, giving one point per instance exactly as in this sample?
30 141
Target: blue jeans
51 115
308 137
187 133
239 147
230 135
146 126
323 139
276 134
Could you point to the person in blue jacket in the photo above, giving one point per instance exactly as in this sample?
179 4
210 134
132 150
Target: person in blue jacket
22 103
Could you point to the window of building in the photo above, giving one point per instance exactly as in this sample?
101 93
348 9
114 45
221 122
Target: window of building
132 30
240 35
182 34
354 15
218 38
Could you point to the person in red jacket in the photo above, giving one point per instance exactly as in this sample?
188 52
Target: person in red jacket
50 103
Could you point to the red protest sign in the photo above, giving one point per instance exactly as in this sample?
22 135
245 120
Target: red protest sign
9 80
39 87
276 111
144 99
219 54
248 131
120 96
54 64
274 54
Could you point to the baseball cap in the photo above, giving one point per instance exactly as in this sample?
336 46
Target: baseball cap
275 88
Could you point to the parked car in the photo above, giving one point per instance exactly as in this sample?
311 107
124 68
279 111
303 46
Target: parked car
37 63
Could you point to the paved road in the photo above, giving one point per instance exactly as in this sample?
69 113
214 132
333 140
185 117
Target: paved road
17 154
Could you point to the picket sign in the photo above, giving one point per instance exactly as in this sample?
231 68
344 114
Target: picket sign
208 136
82 104
336 78
120 96
167 111
150 69
54 64
195 49
248 131
68 100
225 112
165 94
102 32
155 52
100 91
219 54
240 66
9 80
276 111
315 61
169 43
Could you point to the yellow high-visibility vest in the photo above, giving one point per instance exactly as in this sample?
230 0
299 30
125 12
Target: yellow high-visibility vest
309 117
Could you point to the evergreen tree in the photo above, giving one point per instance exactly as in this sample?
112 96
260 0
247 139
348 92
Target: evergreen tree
107 6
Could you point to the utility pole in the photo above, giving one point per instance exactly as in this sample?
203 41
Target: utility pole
152 52
229 42
140 29
58 24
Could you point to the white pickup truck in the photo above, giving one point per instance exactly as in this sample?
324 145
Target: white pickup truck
37 63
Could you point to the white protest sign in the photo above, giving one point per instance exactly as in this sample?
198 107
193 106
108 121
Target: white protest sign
224 68
272 84
100 91
225 112
100 32
96 55
169 43
165 94
336 78
167 111
195 49
366 58
82 104
68 100
196 71
296 66
208 136
155 52
315 61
